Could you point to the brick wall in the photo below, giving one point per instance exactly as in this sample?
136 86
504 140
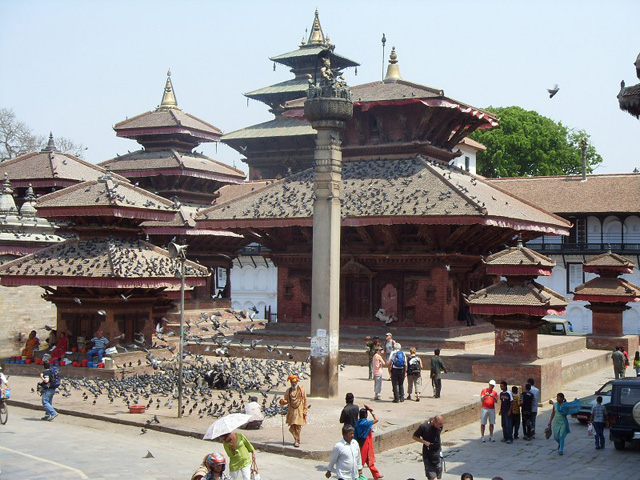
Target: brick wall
22 309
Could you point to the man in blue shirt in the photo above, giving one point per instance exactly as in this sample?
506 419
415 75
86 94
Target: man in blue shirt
100 342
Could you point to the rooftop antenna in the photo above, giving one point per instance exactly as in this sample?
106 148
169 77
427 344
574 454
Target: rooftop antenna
384 42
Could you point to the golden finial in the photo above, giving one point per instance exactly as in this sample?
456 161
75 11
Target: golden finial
168 96
393 70
316 37
303 41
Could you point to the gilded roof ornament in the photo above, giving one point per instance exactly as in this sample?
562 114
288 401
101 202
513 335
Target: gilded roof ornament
316 37
51 144
168 96
393 70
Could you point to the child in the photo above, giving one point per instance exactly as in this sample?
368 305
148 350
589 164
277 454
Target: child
527 404
515 412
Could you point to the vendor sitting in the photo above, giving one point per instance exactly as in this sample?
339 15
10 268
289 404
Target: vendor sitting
253 408
100 342
62 345
30 346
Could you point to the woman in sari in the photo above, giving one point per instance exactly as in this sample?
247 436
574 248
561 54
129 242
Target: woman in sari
363 433
32 343
558 422
61 348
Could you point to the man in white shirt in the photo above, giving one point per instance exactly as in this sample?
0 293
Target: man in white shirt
253 408
345 459
534 407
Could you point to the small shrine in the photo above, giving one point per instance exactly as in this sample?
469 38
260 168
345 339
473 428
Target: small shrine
608 296
107 277
516 307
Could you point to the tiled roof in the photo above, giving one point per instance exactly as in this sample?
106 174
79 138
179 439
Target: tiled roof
569 194
231 192
381 91
31 167
629 99
524 294
163 118
183 223
292 58
278 127
104 262
413 190
298 85
608 287
101 197
519 256
473 144
610 259
149 161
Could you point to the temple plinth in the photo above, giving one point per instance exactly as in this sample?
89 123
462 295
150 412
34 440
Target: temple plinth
328 107
516 307
608 296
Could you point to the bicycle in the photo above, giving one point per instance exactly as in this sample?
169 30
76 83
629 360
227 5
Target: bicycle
4 410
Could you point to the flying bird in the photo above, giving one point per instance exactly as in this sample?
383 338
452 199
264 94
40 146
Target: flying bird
553 91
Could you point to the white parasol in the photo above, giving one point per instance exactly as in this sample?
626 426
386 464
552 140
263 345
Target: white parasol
225 425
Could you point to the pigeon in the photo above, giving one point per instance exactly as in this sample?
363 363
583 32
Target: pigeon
102 313
149 455
77 300
553 91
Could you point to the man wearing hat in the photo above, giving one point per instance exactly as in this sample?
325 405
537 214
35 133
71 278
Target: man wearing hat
296 398
488 397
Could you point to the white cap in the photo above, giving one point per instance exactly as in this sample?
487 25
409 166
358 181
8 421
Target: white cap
492 382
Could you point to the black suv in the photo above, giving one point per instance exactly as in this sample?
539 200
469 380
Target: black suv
624 411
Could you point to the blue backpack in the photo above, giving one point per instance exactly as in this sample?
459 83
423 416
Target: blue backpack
398 359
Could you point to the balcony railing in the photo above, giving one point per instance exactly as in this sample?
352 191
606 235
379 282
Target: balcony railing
585 248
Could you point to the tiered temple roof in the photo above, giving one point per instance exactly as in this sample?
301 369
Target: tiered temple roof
607 287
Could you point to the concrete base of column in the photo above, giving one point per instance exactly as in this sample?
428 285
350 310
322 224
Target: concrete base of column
324 380
610 342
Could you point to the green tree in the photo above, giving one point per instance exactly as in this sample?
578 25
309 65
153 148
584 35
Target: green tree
529 144
16 138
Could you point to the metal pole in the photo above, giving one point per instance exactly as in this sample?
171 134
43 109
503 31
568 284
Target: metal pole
384 42
180 366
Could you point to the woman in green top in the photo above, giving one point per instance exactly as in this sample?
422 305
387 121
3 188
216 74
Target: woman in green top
636 363
242 456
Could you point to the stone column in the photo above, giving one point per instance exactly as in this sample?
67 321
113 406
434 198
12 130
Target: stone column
327 108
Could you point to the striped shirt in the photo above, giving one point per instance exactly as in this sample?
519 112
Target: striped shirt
100 342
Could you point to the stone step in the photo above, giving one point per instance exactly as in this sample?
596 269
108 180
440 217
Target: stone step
583 362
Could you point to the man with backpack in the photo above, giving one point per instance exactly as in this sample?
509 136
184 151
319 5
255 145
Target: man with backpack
414 377
50 382
397 366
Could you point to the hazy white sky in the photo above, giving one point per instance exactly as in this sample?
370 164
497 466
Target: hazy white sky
78 67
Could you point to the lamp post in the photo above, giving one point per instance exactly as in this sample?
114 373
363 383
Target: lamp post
180 252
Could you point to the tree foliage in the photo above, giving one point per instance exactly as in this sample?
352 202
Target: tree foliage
16 138
529 144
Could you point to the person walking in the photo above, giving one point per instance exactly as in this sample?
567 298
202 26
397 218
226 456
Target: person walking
51 381
598 420
488 397
437 367
363 433
349 414
636 363
558 423
506 399
242 455
212 468
378 365
534 406
428 434
515 412
345 459
617 357
389 345
296 398
527 404
414 375
397 366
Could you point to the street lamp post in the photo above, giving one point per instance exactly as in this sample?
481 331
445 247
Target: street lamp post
179 252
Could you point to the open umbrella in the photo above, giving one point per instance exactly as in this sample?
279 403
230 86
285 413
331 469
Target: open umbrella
225 425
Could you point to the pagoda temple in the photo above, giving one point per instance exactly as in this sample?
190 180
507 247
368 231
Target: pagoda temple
168 166
413 227
629 97
108 277
516 307
285 144
608 296
49 170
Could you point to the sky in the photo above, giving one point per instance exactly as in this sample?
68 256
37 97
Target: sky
78 67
